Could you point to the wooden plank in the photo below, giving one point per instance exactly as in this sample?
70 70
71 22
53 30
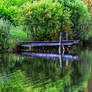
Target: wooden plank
67 44
65 41
51 44
46 44
40 44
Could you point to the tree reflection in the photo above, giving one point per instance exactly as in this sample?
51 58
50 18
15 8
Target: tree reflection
36 74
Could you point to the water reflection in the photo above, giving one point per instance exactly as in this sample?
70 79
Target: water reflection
36 74
47 55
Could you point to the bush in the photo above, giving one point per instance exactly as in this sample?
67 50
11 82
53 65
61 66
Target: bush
46 19
4 34
79 16
10 9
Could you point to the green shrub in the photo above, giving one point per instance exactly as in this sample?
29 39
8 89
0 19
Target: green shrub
79 17
4 34
10 9
46 19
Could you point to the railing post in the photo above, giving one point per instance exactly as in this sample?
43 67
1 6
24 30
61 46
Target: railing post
60 40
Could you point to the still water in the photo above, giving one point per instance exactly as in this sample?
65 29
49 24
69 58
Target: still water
34 72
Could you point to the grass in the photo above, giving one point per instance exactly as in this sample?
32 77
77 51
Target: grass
17 32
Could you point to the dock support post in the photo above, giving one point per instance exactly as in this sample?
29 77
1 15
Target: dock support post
67 40
60 40
66 36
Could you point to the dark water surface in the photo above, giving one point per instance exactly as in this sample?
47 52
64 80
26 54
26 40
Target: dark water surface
33 72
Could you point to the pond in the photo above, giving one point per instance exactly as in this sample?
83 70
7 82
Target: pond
41 72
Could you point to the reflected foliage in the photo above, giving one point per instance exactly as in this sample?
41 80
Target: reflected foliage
34 74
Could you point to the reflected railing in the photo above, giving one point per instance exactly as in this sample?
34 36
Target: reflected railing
61 57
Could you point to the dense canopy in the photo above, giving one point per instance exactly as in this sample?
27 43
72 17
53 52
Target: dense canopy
44 19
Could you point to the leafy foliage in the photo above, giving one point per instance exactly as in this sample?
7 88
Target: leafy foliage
70 16
4 33
46 19
79 17
89 5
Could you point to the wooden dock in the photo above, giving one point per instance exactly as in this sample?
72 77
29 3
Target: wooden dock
49 43
61 43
